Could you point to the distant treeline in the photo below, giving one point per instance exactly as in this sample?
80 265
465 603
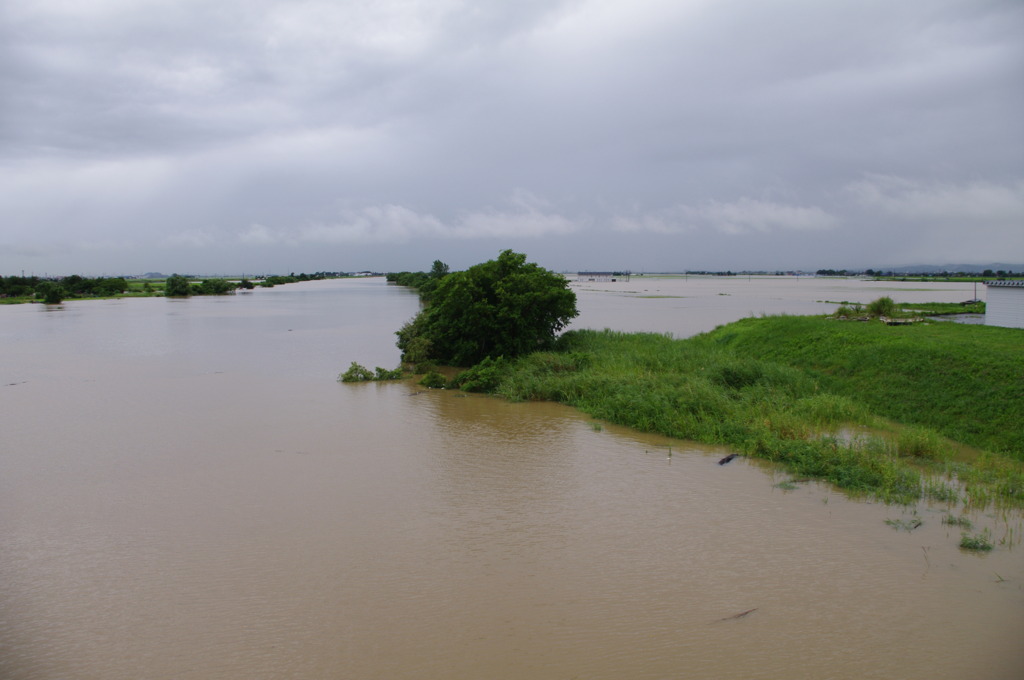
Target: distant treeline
411 279
424 282
70 286
880 273
875 273
53 290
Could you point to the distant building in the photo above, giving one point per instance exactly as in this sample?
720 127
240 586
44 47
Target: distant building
1004 304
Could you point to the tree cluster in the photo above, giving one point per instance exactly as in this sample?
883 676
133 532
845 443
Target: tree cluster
500 308
54 290
181 286
424 282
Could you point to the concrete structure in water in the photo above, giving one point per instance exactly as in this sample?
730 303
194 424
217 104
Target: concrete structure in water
1004 304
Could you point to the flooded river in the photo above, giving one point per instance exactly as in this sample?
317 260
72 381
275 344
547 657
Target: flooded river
186 492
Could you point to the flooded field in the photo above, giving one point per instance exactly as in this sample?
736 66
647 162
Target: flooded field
187 492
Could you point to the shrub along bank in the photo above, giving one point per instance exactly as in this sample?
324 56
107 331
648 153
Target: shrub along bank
776 387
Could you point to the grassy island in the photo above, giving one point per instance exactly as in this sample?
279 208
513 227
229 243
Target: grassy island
898 412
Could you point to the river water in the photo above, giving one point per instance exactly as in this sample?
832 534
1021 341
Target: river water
187 492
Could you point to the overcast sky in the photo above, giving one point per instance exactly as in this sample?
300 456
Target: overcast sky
262 136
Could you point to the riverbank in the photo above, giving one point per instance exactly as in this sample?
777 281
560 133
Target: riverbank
793 389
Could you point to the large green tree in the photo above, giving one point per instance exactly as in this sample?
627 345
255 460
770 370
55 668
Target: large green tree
177 286
503 307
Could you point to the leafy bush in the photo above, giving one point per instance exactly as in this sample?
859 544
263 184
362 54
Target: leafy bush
433 380
50 292
356 373
177 286
359 373
848 311
216 287
883 306
427 366
413 340
385 374
484 377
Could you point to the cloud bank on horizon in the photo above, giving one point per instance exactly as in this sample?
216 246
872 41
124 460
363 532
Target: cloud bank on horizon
274 136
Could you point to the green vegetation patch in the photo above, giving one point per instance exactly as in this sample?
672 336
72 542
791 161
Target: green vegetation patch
943 308
359 373
965 382
505 307
769 387
780 388
977 542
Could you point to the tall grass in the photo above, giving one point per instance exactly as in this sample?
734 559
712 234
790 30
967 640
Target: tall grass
770 387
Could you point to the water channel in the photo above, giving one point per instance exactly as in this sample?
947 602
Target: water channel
186 492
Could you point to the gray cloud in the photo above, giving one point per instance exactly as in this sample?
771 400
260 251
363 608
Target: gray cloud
172 134
743 216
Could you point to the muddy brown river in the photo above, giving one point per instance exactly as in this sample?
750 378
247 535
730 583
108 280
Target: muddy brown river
187 493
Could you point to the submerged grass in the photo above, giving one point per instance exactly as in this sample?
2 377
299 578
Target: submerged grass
769 387
977 542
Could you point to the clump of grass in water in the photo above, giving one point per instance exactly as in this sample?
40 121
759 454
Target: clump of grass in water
921 443
846 311
960 521
905 524
938 490
977 542
883 306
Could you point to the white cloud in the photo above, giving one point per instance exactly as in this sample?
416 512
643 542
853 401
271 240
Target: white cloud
743 216
525 217
971 203
528 217
373 224
750 215
670 221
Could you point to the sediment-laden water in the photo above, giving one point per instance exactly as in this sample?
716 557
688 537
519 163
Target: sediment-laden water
187 492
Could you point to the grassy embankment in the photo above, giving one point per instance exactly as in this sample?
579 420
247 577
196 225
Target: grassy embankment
790 389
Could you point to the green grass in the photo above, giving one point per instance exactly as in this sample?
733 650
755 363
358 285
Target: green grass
965 382
910 309
775 388
961 521
976 542
942 308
